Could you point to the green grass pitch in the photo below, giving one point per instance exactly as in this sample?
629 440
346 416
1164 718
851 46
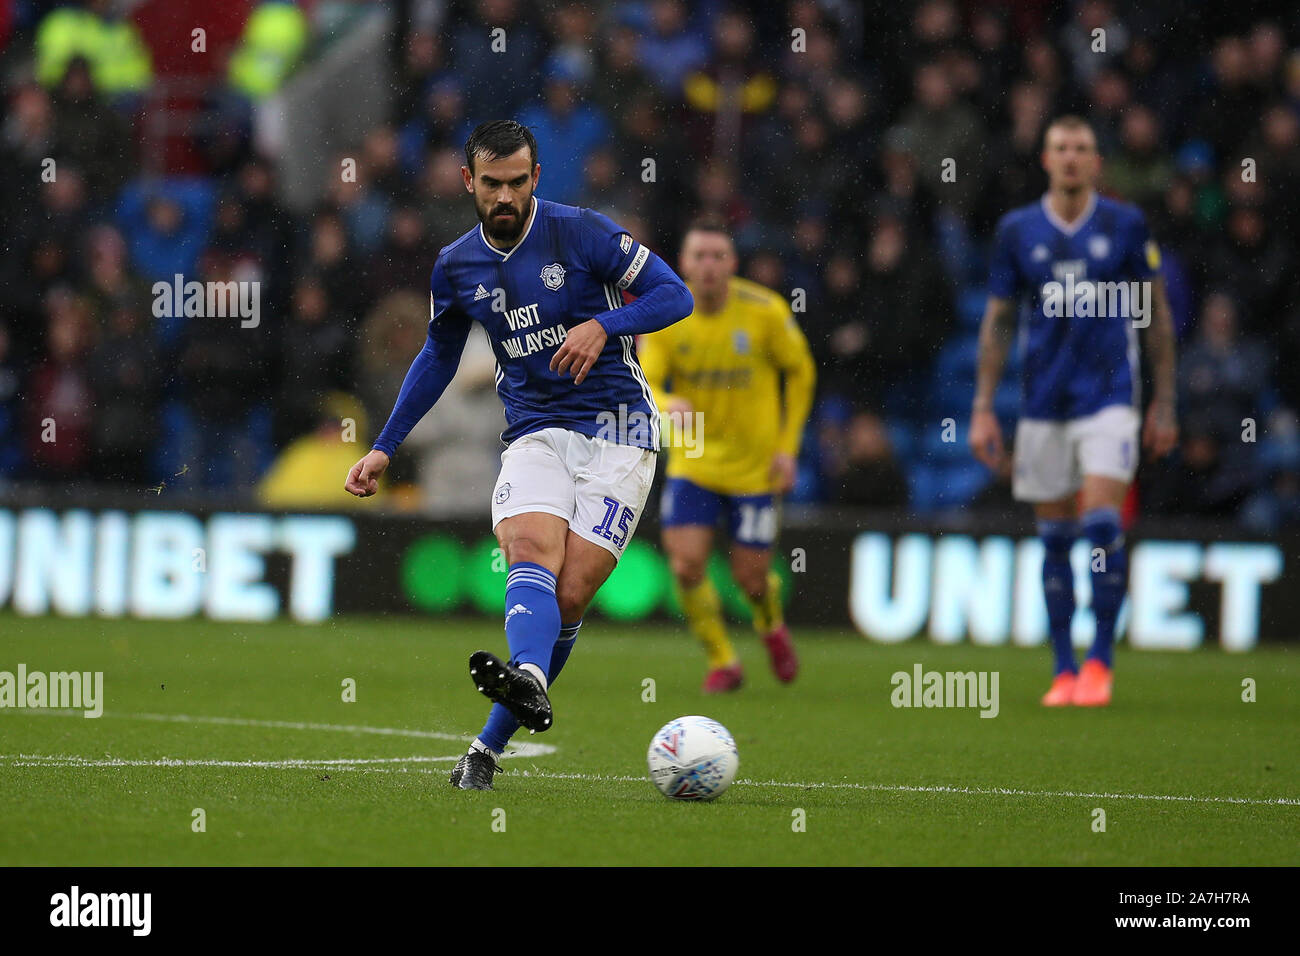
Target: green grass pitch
252 717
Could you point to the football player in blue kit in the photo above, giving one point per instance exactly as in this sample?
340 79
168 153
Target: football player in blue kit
1087 274
546 282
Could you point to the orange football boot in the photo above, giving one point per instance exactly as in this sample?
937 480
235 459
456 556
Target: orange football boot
1062 691
1092 689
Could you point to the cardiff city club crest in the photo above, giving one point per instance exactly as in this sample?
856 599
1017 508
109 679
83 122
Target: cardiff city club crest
553 276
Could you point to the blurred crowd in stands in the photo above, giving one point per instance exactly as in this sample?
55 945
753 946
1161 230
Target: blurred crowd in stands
818 130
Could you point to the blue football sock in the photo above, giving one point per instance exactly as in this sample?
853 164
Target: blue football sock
532 614
1058 587
500 727
1109 563
501 724
563 647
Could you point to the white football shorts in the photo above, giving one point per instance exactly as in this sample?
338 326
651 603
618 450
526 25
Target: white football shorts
598 486
1052 457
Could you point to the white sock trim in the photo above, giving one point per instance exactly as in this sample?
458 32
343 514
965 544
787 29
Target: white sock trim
536 672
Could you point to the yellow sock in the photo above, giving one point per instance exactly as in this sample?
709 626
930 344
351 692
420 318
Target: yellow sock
704 616
768 615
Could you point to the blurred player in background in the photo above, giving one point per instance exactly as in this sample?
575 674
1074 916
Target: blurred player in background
545 281
718 376
1090 271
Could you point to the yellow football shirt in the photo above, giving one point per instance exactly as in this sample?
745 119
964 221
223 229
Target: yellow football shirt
730 365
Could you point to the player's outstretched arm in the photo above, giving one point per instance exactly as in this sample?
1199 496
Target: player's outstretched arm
426 380
996 332
363 479
1160 431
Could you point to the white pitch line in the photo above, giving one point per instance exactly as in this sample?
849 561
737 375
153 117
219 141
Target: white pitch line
906 788
521 749
293 725
384 765
374 765
71 760
977 791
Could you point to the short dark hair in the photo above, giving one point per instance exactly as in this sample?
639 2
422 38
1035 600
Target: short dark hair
707 223
498 138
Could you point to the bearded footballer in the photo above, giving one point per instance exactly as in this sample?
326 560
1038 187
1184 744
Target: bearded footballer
546 282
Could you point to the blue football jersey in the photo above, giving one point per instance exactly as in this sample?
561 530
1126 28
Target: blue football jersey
571 265
1081 287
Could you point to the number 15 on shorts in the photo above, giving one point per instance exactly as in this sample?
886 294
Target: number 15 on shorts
606 529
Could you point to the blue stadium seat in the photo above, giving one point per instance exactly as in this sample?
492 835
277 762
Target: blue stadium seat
953 380
923 484
903 436
960 483
906 397
957 359
936 451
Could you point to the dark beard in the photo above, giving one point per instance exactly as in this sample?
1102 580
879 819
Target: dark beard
508 231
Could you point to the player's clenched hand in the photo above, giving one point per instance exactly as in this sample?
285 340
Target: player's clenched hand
363 479
1160 431
582 346
783 472
986 438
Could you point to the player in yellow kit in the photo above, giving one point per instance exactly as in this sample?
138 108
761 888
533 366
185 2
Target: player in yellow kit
735 380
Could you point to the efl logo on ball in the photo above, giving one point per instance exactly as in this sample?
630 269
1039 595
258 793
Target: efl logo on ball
692 758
